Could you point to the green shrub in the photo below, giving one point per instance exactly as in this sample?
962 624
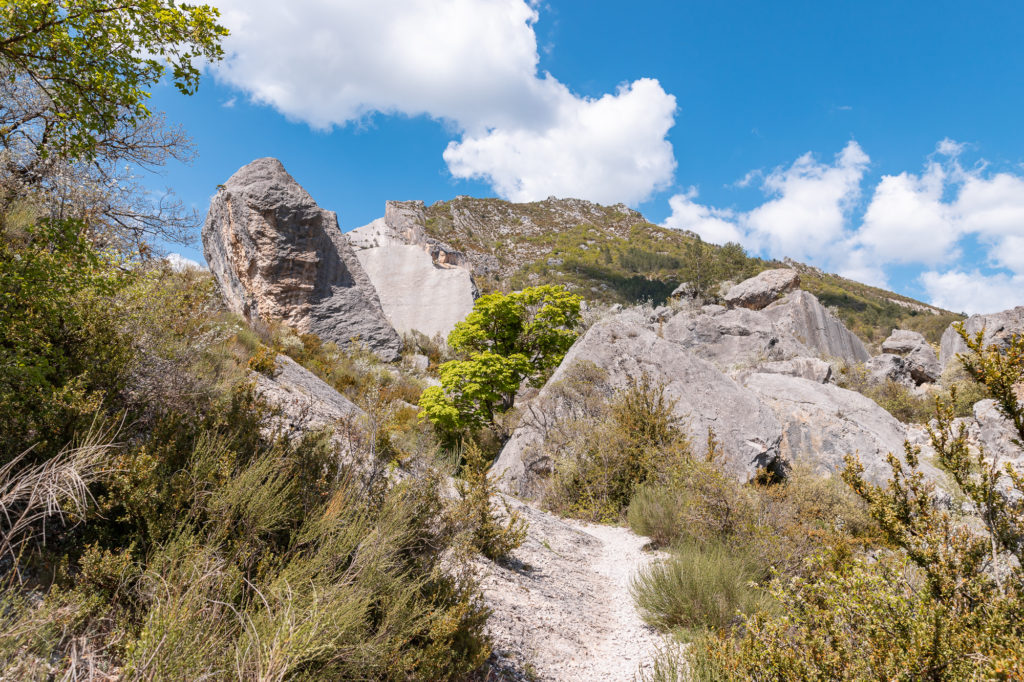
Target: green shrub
657 512
63 353
615 449
697 587
484 530
946 603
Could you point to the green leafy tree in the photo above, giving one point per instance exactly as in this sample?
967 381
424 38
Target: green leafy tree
506 340
700 268
75 80
94 61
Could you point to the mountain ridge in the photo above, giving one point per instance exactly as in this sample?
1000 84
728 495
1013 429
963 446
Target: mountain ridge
613 254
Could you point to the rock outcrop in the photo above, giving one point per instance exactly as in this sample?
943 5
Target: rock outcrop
919 364
823 423
743 373
812 369
801 314
761 290
423 284
277 255
923 365
998 329
887 367
625 347
305 403
903 341
731 339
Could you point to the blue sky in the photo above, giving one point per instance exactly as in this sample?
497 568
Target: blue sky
881 140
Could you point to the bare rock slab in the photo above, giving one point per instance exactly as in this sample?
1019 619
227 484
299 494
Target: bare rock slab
802 315
762 289
823 423
423 285
305 403
277 255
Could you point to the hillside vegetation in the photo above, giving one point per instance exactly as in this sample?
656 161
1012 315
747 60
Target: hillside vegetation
612 254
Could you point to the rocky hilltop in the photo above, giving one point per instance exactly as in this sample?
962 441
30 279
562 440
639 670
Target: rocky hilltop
613 254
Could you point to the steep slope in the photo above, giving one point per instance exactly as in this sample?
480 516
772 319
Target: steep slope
613 254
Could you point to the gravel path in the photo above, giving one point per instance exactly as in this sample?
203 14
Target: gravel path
562 608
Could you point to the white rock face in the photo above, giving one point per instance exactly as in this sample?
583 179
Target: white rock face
421 285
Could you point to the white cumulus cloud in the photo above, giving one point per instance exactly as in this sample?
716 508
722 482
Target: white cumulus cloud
962 227
715 225
180 263
974 292
608 149
803 217
470 63
810 204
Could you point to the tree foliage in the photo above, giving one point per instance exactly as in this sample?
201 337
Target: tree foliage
62 351
95 60
506 340
75 127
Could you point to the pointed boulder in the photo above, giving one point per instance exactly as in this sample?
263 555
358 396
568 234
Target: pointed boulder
278 256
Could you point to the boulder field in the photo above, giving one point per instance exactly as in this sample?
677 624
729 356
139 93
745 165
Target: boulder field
757 378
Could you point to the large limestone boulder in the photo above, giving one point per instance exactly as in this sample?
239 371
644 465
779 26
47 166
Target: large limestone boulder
923 364
998 329
276 255
919 363
422 285
304 403
626 347
801 314
732 339
759 291
888 367
903 341
822 423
